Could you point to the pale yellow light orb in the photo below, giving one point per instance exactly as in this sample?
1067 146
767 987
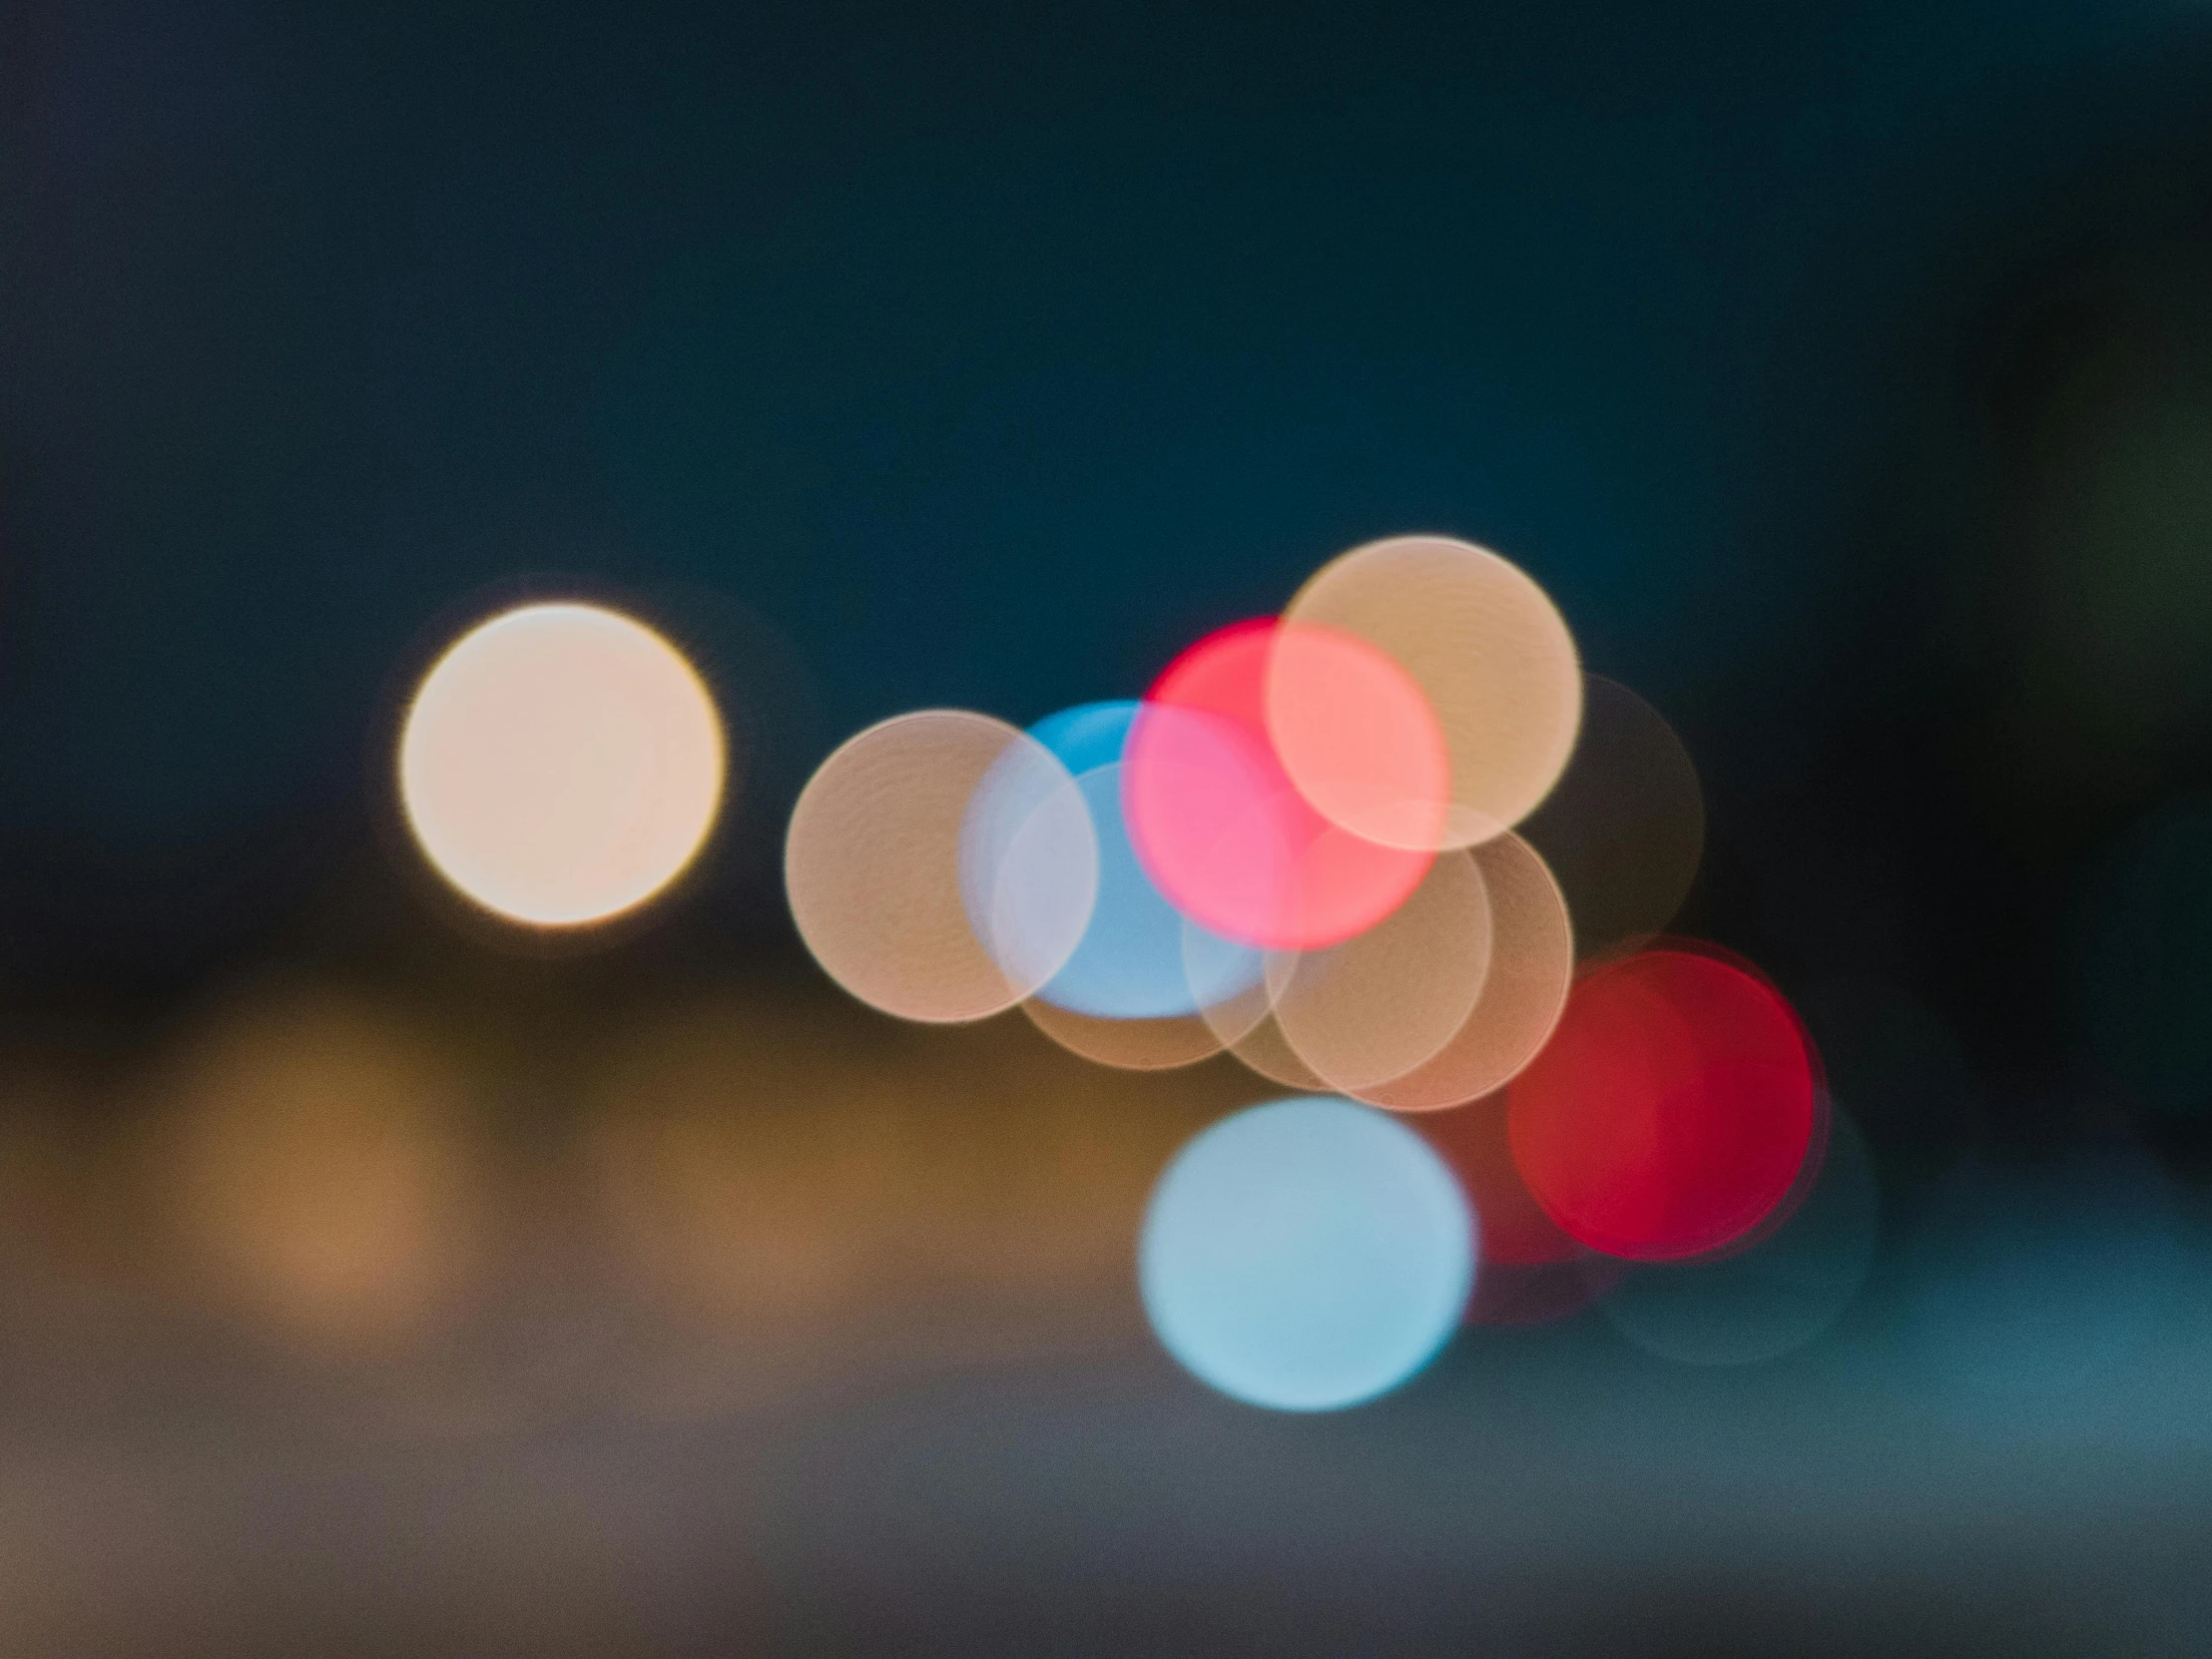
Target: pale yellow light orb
561 763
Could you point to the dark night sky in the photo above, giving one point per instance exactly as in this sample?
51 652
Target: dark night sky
906 358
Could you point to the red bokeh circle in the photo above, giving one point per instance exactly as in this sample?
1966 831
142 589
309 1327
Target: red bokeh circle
1218 823
1672 1111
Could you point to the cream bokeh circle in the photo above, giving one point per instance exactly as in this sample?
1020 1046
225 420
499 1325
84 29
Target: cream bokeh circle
1374 1008
1160 1044
561 763
1487 646
1531 965
941 865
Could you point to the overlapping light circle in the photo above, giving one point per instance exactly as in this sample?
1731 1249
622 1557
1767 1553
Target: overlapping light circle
1624 830
1531 962
1673 1111
1225 830
1377 1006
1532 1271
941 865
1761 1303
1486 647
1299 848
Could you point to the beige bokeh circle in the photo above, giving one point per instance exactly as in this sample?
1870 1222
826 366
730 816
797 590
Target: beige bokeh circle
1158 1044
1264 1049
1489 649
1375 1007
1531 965
886 873
561 763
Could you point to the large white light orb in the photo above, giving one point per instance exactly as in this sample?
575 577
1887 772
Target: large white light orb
561 763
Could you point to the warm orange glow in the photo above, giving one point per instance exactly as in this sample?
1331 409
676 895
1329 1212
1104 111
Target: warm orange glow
561 763
314 1164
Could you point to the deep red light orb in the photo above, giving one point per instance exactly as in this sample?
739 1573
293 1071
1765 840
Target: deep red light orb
1673 1109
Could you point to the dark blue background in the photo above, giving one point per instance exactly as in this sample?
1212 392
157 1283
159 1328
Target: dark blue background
901 356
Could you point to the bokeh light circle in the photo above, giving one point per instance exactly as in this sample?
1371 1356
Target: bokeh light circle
1532 1271
1221 829
1624 829
1531 965
1133 993
1516 1230
1127 1044
1263 1048
1030 863
1486 647
561 763
1245 1023
1138 958
1306 1256
921 846
1673 1109
1364 1012
1357 735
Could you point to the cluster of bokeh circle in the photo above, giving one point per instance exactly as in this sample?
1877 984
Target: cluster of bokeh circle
1392 849
1303 848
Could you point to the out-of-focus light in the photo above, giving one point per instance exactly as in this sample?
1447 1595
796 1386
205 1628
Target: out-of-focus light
1515 1229
1532 1273
1127 1044
1762 1303
1531 965
941 865
1089 735
1030 863
1624 829
1133 960
1486 647
1305 1255
1221 829
787 1184
1673 1109
561 763
1134 994
1263 1048
2143 969
1356 737
1371 1009
311 1155
1251 1033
